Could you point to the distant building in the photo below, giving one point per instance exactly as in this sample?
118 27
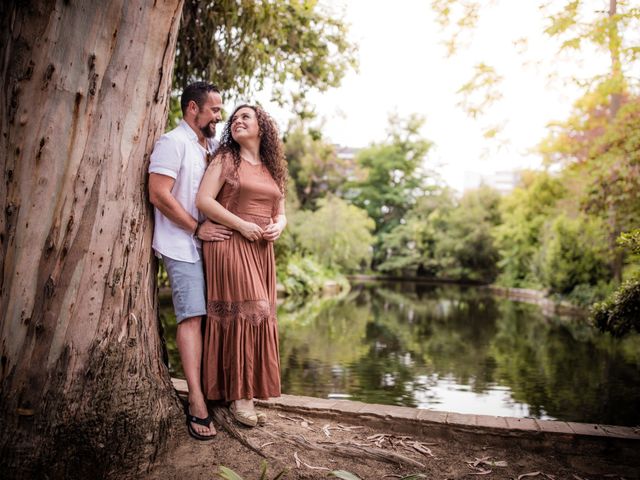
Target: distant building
346 153
504 181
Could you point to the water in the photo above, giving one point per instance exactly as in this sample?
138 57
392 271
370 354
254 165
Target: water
455 349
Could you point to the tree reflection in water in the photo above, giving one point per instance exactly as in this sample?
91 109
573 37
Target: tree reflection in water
458 349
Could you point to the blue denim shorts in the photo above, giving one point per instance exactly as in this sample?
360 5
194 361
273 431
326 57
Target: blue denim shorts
188 289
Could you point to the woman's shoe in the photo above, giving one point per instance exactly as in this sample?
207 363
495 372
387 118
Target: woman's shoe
245 417
262 418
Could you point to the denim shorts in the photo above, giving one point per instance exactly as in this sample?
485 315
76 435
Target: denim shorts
188 289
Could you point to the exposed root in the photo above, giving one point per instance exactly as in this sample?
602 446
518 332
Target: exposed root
223 417
349 451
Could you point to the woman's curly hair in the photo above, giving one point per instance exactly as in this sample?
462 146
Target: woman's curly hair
271 148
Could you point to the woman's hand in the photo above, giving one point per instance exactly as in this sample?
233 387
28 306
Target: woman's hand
273 231
250 231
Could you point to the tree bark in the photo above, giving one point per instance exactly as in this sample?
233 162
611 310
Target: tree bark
84 392
616 64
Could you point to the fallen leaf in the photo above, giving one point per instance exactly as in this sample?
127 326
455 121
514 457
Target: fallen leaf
344 475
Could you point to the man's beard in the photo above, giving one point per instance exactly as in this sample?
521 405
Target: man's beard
209 130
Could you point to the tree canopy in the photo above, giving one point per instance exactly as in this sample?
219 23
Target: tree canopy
244 46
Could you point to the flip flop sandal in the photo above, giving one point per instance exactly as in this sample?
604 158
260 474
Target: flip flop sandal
205 422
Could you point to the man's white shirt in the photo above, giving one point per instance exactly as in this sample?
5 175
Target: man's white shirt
177 154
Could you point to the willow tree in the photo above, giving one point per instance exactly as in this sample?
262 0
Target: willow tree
84 390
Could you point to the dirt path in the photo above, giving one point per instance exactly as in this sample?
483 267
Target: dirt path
309 447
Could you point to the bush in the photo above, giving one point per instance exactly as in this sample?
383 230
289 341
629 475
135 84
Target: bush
620 313
306 276
574 253
337 234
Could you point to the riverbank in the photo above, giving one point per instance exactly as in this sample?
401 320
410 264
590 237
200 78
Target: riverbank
548 305
309 437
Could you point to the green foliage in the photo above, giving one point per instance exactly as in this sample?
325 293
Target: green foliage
344 475
613 171
243 46
467 237
304 275
163 277
631 240
394 177
574 252
524 214
228 474
409 248
620 313
337 234
314 165
481 91
446 238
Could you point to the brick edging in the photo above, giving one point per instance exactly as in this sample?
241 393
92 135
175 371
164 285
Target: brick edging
432 418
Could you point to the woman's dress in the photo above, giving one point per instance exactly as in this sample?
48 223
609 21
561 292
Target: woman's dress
241 357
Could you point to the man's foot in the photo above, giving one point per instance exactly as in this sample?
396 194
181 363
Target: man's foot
199 421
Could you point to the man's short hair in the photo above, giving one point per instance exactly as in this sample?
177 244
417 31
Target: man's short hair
196 91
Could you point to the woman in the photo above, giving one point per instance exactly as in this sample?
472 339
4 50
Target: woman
243 188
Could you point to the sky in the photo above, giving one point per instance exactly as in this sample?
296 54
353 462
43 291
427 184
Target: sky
403 68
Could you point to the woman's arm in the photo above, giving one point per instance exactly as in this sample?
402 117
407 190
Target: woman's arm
273 231
212 182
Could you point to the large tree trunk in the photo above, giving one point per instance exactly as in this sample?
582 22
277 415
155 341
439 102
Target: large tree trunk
84 391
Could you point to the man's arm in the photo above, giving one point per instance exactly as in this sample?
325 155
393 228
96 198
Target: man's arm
160 196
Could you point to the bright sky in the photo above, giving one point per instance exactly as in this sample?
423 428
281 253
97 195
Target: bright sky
404 69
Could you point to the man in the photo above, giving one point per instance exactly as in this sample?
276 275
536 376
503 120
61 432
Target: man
178 162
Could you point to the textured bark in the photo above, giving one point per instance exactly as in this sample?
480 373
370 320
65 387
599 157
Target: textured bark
84 391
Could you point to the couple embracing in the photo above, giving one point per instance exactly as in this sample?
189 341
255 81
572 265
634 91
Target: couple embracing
218 210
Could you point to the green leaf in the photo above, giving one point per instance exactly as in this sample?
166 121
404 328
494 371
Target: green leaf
263 475
228 474
344 475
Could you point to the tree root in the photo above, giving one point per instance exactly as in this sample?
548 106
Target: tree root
354 452
224 419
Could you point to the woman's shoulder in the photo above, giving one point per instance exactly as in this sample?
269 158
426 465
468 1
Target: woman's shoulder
225 161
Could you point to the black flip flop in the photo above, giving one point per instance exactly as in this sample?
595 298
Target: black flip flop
205 422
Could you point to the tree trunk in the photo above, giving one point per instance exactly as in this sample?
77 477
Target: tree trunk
616 64
617 261
84 392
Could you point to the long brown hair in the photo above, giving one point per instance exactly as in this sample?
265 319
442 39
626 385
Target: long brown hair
271 148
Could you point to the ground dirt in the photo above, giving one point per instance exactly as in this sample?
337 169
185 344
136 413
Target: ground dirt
310 446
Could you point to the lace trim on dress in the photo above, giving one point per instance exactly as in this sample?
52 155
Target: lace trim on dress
254 311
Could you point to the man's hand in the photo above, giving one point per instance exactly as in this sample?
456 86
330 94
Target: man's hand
213 232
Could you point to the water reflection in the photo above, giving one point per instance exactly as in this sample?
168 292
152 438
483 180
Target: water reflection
457 349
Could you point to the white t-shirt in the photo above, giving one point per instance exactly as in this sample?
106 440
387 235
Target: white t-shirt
177 154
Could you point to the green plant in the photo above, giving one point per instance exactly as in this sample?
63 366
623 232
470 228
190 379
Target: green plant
163 277
620 313
227 474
